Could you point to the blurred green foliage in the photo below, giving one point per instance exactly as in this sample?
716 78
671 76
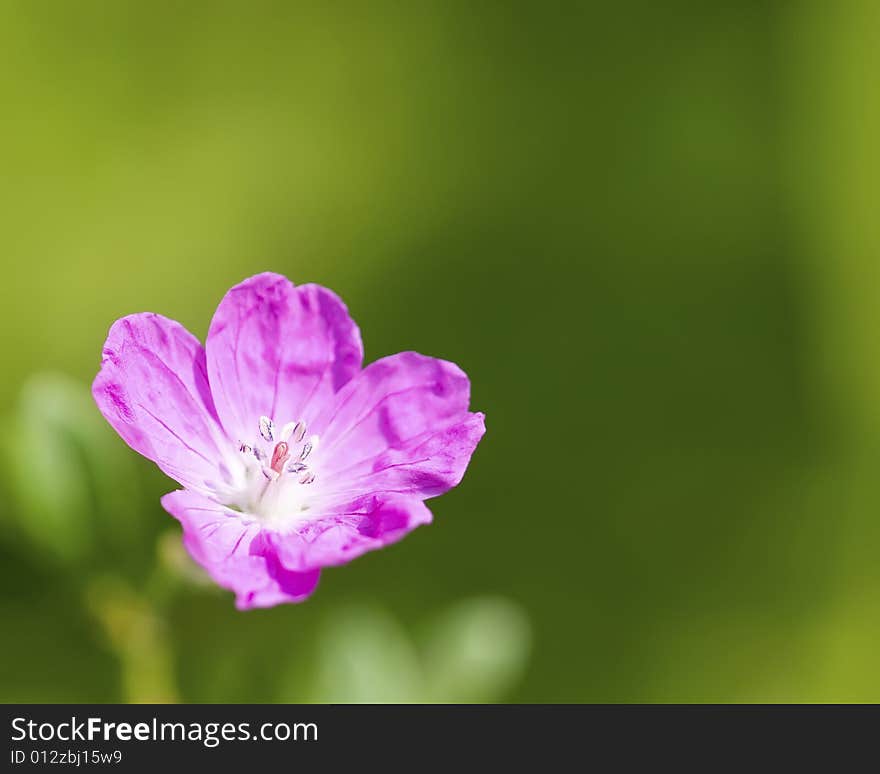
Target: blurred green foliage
646 230
474 651
72 494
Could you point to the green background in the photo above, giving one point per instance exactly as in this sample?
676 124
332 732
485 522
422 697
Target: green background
647 231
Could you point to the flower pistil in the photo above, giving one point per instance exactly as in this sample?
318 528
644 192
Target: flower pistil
284 464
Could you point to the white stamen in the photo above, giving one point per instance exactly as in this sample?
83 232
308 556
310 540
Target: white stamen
267 429
311 444
276 495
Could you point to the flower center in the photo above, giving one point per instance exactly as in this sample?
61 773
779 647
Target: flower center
278 465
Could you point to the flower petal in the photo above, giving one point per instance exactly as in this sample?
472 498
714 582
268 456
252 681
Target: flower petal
153 389
401 425
275 350
236 553
365 524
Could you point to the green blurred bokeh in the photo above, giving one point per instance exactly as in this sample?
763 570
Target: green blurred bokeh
647 231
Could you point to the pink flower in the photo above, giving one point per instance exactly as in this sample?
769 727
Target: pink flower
292 457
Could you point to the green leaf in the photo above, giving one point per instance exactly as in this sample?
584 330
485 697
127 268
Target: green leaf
476 651
363 656
72 484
